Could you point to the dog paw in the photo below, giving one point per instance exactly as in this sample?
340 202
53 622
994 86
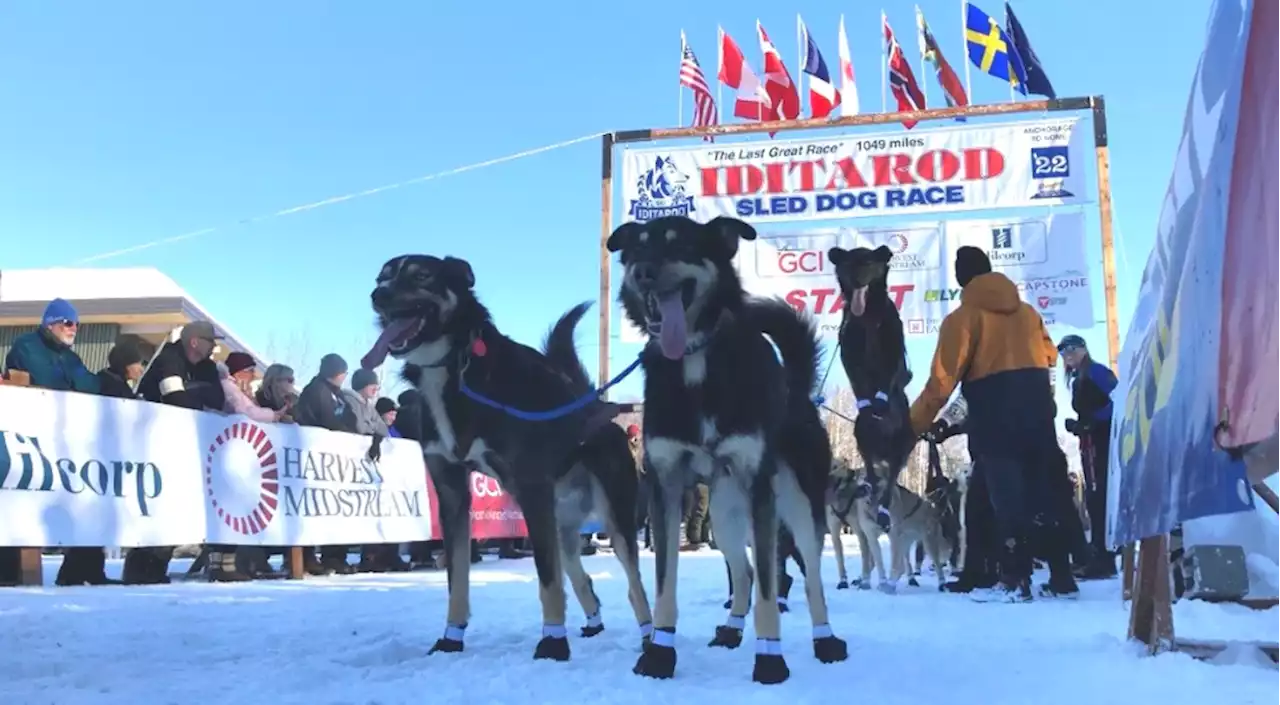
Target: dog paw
553 648
728 603
888 588
863 585
783 607
830 649
842 585
656 661
913 582
590 631
446 646
770 669
727 637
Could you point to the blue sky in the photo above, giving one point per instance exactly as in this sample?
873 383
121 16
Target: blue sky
130 122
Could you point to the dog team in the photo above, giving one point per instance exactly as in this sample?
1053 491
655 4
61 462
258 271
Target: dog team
729 401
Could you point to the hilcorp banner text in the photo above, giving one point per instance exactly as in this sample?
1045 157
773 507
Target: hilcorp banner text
1041 163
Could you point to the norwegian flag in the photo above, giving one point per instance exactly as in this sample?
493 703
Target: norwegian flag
751 102
952 89
848 87
823 96
782 91
691 77
902 82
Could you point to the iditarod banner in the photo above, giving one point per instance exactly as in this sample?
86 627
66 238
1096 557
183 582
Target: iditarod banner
1198 368
1041 163
1045 256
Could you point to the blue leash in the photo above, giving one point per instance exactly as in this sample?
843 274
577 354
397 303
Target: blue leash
820 399
550 414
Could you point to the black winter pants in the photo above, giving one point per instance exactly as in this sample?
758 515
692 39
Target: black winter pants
1095 454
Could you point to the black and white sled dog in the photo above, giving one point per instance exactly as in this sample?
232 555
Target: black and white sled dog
873 353
719 406
558 469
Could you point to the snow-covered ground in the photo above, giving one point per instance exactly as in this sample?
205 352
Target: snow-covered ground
363 639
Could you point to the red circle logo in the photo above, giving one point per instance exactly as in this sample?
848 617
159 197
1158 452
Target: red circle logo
897 243
252 519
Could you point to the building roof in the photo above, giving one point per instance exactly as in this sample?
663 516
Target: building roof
107 294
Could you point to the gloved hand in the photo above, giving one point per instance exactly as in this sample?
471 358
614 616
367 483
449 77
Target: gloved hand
375 449
1076 427
938 432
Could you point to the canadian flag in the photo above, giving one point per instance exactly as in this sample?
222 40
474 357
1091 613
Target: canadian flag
751 102
848 87
782 91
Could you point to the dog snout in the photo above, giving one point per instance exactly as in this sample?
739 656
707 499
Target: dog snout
381 297
644 274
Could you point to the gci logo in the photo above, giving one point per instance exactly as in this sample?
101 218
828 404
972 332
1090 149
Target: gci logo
484 486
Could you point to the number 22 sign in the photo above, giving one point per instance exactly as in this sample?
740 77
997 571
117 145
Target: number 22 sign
1050 162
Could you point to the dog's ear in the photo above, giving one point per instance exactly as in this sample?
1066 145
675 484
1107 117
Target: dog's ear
727 231
624 236
836 255
458 272
884 254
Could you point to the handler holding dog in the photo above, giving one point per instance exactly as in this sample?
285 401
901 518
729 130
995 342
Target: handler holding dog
997 348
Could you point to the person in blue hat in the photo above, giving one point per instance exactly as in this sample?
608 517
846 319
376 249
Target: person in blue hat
46 355
1091 384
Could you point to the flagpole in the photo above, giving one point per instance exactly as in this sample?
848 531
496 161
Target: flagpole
884 65
680 88
924 68
719 66
800 52
964 43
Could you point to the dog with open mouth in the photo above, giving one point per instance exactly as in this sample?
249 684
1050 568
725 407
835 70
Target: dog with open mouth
721 408
560 470
873 352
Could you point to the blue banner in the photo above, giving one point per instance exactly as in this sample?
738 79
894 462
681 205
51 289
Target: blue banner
1165 467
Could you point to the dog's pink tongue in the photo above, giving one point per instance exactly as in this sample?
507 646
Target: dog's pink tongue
674 335
382 346
858 301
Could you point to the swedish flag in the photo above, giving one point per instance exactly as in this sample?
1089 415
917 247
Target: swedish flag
990 48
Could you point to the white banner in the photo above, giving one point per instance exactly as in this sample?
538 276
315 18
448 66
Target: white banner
1008 165
1046 258
82 470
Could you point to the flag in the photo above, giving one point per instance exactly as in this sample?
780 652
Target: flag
783 94
751 102
902 81
990 50
848 87
952 88
1037 81
823 96
691 77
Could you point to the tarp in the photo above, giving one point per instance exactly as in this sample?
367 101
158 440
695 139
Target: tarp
1199 362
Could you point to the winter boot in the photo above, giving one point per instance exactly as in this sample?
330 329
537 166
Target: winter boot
222 568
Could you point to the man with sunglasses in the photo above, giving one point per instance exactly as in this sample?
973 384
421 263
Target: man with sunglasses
46 355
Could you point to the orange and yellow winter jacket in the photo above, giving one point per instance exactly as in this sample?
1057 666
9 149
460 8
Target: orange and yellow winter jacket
991 334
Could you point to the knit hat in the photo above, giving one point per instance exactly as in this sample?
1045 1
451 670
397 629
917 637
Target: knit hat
332 365
57 311
384 405
122 355
970 262
408 396
1071 341
633 431
238 361
363 378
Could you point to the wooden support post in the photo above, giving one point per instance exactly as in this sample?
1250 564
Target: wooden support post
606 229
293 563
30 567
1151 614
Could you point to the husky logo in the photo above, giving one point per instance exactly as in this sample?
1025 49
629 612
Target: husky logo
661 190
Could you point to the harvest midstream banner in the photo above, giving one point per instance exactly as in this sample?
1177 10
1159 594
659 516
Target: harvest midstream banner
1041 163
1044 256
82 470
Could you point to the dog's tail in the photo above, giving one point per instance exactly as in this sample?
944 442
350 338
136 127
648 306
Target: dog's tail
796 336
561 351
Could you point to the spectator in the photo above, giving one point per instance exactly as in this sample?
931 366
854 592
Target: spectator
277 391
643 491
362 401
1091 384
46 355
697 530
183 374
322 404
237 378
124 369
387 412
996 347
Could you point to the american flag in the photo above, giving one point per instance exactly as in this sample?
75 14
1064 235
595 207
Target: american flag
691 77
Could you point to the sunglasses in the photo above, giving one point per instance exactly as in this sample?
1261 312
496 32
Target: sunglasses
66 324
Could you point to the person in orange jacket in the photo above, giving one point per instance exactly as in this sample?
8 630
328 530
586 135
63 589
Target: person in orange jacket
996 349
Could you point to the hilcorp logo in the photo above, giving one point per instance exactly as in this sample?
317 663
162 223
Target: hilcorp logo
25 467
